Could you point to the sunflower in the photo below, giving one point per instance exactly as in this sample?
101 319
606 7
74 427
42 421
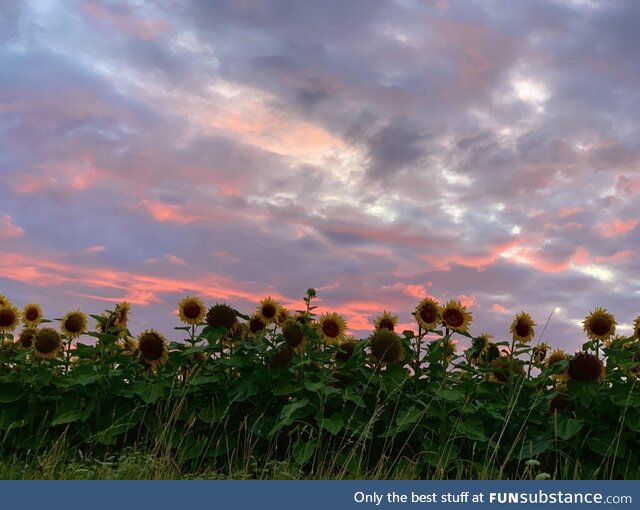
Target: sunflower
346 349
504 367
26 337
522 328
294 335
386 321
47 343
153 348
483 350
599 325
282 358
636 328
427 313
32 315
268 310
74 324
128 345
121 314
450 348
555 357
540 352
455 316
221 315
191 310
256 324
283 316
386 346
4 300
332 328
559 403
9 318
584 367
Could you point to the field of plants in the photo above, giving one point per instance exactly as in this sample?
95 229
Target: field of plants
288 394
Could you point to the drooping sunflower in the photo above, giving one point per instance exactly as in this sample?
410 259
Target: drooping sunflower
522 328
346 349
121 315
32 315
636 328
4 300
221 315
268 310
599 325
585 367
555 357
26 337
191 310
386 346
47 343
282 358
559 403
386 321
483 350
9 318
332 328
128 345
153 348
505 367
427 313
455 316
256 324
74 324
540 352
283 316
294 335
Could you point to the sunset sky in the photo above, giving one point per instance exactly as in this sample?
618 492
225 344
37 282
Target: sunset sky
380 151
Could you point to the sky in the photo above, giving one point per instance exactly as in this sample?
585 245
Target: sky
379 151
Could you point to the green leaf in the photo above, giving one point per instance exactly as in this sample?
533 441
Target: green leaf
333 424
567 427
471 431
293 411
303 451
123 424
450 395
408 416
10 393
151 392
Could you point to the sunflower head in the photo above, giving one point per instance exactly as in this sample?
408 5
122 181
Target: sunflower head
153 348
191 310
584 367
599 325
268 310
4 300
346 349
46 343
293 335
557 356
636 328
74 324
128 345
386 321
9 318
483 350
386 346
283 316
256 324
560 403
32 315
26 337
282 359
221 315
540 352
121 315
427 313
332 328
504 367
522 328
455 316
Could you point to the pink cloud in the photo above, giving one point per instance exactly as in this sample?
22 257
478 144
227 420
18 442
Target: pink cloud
616 228
170 213
9 230
125 20
499 308
94 249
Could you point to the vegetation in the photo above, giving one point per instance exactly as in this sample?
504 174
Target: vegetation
291 395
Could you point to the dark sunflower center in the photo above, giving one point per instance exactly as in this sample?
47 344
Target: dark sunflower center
7 318
151 346
386 324
386 346
428 314
32 314
269 311
221 316
26 338
453 317
191 310
331 328
522 329
47 341
73 324
256 325
585 368
600 325
541 354
346 351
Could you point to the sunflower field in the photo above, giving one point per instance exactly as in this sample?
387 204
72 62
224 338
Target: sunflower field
290 390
